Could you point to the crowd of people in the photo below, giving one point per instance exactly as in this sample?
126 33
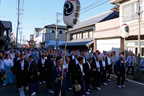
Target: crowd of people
80 70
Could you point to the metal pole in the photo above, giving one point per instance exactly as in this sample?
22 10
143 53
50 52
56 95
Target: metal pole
56 31
17 24
139 48
124 49
23 41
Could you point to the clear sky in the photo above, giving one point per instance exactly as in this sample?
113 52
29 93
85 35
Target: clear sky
38 13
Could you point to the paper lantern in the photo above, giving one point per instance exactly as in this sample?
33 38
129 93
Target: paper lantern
71 12
124 30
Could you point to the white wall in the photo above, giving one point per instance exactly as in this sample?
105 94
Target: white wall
109 45
130 22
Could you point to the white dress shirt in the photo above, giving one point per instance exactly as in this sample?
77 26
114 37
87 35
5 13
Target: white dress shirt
109 60
22 65
98 66
89 65
43 61
81 67
103 64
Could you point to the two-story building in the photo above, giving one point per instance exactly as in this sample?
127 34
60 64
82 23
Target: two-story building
128 14
46 37
5 30
81 35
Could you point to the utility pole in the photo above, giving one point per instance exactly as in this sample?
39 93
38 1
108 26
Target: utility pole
23 41
139 18
21 37
17 24
57 33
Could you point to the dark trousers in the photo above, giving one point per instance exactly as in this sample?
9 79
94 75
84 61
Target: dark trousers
69 81
98 79
93 82
21 80
103 77
42 76
87 82
120 79
0 77
130 67
58 88
109 70
49 84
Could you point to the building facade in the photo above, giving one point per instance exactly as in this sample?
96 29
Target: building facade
81 35
46 37
128 15
5 31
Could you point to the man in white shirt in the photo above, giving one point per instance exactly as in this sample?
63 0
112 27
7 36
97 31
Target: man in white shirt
131 61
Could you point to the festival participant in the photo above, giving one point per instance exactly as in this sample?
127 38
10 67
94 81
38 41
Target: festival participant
12 55
42 63
49 69
103 70
17 57
72 67
33 77
20 68
1 59
6 65
57 78
142 65
68 79
79 77
120 70
131 61
109 66
88 74
96 73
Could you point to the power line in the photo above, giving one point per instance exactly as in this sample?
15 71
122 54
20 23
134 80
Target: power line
94 7
98 1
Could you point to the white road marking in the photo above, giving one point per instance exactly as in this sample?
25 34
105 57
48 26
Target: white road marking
131 81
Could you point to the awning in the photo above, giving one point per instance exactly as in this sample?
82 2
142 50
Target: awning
86 43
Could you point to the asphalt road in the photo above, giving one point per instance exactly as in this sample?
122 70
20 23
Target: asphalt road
132 89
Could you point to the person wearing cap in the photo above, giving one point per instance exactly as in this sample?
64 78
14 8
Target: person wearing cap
42 63
57 77
131 61
88 74
120 72
79 77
